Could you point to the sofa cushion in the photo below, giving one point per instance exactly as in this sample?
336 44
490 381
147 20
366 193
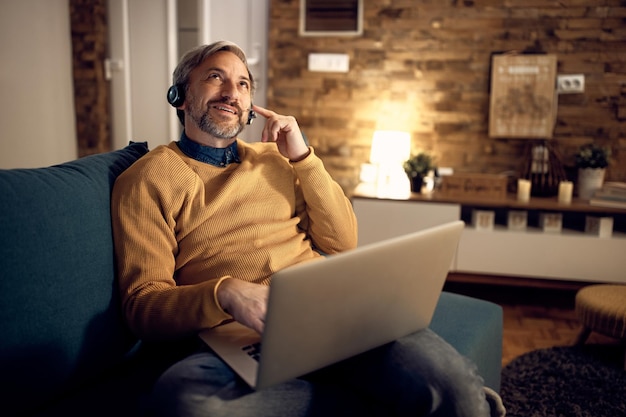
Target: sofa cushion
60 319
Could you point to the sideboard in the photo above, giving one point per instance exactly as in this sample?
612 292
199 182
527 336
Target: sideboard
570 254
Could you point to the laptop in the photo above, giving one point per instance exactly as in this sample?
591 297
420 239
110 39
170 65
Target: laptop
323 311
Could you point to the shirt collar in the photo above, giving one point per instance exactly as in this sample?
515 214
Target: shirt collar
219 157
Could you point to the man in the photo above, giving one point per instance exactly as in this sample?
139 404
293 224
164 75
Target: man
200 226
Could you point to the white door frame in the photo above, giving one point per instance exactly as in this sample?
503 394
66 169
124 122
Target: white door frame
117 69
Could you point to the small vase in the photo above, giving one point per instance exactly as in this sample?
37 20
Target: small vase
589 181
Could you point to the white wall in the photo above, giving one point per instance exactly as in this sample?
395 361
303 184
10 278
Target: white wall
37 124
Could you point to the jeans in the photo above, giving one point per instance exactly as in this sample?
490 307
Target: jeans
418 375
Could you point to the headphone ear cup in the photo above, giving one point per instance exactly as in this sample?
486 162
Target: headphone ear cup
176 95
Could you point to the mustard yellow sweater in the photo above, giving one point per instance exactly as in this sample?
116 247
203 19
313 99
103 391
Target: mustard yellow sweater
181 226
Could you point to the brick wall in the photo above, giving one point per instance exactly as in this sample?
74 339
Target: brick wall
91 89
423 66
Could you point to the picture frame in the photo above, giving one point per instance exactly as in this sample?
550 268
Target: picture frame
523 99
336 18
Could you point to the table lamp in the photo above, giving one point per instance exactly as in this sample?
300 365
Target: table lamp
390 148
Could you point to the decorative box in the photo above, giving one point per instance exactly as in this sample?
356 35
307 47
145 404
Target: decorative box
483 219
517 220
551 222
599 226
487 186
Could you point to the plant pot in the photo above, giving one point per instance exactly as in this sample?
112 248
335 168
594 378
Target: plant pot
417 183
589 181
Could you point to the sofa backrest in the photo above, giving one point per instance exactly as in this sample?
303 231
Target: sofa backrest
60 320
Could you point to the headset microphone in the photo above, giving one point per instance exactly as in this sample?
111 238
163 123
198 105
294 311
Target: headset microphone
251 115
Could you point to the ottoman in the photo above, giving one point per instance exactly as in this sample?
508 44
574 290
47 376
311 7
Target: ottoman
602 308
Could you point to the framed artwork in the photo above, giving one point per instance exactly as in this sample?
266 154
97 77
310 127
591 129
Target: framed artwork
523 98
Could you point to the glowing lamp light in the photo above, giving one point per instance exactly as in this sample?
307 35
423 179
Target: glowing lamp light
390 148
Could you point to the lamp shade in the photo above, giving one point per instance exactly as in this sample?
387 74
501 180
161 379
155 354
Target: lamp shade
390 147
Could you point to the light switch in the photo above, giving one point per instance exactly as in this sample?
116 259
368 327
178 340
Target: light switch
329 62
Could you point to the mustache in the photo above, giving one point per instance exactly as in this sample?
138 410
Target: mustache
226 101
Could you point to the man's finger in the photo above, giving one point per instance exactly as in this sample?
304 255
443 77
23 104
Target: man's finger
263 111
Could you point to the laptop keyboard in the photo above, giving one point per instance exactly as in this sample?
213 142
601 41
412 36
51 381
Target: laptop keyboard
253 350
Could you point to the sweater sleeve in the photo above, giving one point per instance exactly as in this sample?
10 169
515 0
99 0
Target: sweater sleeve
146 248
326 213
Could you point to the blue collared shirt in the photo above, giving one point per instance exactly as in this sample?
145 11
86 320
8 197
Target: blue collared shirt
219 157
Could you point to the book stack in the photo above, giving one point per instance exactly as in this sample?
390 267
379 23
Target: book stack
612 194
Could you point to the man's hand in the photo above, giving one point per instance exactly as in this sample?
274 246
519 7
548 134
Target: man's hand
283 130
245 301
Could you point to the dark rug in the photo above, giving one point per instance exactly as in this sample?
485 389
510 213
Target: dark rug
581 381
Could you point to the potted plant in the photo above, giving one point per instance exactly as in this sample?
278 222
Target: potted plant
416 168
591 161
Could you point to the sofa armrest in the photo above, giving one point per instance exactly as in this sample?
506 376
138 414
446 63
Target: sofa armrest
474 328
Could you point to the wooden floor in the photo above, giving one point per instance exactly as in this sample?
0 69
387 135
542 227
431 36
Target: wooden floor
534 317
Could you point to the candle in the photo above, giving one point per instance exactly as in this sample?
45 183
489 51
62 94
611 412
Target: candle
523 190
565 192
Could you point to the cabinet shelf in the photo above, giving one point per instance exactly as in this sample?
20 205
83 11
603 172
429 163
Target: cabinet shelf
509 202
570 254
573 233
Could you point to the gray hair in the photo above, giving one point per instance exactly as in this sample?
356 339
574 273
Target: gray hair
197 55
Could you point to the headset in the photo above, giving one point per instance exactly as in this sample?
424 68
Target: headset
176 97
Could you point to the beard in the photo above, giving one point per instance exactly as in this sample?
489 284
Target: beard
218 129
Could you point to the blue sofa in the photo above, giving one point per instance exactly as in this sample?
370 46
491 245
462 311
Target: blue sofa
64 347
